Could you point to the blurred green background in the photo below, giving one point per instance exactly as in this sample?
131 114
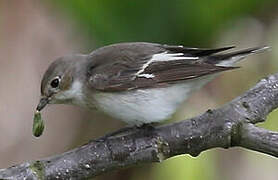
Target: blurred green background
194 23
70 26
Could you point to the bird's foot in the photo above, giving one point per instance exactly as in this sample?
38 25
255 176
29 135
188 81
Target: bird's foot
122 131
127 130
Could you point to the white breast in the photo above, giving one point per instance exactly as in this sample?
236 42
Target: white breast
147 105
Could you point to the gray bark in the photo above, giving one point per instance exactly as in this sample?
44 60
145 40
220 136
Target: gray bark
229 126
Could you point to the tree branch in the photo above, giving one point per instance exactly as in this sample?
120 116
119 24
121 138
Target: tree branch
228 126
259 139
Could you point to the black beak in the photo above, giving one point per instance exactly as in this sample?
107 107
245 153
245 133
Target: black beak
43 102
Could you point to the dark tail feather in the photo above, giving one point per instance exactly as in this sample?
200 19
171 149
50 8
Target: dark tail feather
195 51
206 52
229 59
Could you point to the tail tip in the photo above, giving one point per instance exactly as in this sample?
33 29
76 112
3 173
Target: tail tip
261 49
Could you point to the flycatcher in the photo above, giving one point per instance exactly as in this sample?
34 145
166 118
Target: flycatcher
139 82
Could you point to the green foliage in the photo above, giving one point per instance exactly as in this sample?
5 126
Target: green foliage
186 167
177 21
271 123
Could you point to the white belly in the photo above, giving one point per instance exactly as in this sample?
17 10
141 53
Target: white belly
146 105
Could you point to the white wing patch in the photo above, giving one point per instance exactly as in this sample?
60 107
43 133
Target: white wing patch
146 75
170 57
159 58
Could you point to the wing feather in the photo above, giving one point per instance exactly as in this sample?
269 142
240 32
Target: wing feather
147 65
156 75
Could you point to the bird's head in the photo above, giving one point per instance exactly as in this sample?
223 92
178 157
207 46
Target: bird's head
60 84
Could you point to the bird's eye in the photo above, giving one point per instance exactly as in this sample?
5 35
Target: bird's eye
55 82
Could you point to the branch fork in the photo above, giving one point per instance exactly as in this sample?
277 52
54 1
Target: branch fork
230 125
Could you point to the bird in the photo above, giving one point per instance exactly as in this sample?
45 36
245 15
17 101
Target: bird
136 82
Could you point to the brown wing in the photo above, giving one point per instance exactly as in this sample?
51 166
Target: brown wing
124 81
156 75
131 66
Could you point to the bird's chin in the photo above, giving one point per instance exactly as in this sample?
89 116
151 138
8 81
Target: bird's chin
60 101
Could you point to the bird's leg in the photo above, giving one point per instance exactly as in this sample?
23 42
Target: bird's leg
147 126
127 130
118 132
